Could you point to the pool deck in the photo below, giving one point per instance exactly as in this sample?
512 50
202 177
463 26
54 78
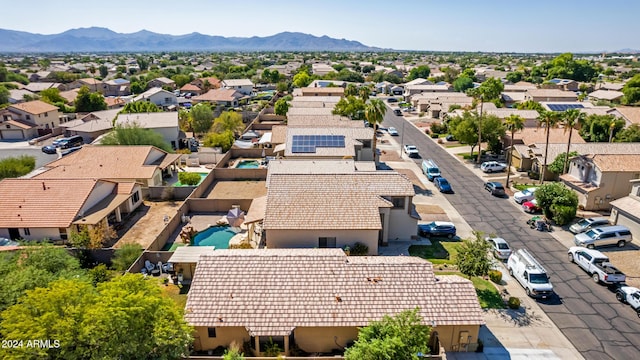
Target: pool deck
199 222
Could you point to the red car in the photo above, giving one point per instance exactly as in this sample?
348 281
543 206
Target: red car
531 206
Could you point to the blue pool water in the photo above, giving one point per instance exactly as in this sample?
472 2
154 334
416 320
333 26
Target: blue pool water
248 164
217 236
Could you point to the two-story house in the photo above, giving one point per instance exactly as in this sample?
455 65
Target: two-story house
243 86
162 82
158 96
116 87
29 119
626 211
600 179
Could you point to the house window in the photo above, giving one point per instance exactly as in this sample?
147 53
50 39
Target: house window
63 233
398 202
46 114
211 332
136 197
327 242
8 126
28 117
27 232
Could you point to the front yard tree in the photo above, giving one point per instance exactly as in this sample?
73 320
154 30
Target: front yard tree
374 113
465 129
13 167
88 101
400 337
201 118
140 107
557 202
571 119
118 319
512 124
558 164
133 134
472 258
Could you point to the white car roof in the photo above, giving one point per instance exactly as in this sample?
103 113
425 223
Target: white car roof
443 223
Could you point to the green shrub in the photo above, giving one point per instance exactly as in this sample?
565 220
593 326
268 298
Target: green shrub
513 303
359 249
13 167
125 256
438 128
189 178
434 136
495 276
272 349
533 175
563 214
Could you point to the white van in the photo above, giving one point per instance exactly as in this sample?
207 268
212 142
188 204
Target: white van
530 274
430 169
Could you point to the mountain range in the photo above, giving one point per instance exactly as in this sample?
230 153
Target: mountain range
97 39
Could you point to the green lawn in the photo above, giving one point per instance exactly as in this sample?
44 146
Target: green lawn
440 252
523 186
488 295
454 145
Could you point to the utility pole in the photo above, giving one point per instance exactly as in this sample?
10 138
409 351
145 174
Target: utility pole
480 130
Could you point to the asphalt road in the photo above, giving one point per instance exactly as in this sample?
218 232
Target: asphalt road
587 313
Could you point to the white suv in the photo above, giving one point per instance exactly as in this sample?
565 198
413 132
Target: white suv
525 195
411 150
492 166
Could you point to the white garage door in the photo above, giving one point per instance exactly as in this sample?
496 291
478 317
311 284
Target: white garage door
12 134
632 225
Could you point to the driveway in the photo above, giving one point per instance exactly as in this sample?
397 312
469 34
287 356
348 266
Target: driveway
588 314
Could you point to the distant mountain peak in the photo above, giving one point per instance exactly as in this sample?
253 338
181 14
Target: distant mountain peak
100 39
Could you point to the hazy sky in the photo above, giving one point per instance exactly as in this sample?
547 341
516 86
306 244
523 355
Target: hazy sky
465 25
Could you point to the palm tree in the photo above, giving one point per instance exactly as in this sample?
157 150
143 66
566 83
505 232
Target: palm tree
512 123
351 90
374 113
549 119
364 92
571 119
612 127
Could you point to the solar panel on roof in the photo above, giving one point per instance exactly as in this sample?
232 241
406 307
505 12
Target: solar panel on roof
309 143
563 107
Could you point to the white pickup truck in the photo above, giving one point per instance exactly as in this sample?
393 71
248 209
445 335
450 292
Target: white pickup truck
596 264
411 150
631 296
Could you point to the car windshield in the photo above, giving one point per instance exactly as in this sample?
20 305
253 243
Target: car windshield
591 234
498 186
443 182
583 222
526 192
435 171
538 278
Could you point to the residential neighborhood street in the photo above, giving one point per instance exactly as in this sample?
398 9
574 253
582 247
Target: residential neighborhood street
588 314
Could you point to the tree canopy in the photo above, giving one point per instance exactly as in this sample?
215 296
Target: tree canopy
133 134
489 90
229 121
140 107
201 118
462 84
4 95
13 167
599 128
557 166
126 318
421 71
223 140
281 107
557 202
351 107
400 337
88 101
631 90
630 134
472 258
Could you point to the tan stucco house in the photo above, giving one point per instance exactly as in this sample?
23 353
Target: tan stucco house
626 211
37 209
600 179
29 119
330 208
142 164
317 299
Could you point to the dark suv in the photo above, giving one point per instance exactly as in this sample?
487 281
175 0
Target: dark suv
437 229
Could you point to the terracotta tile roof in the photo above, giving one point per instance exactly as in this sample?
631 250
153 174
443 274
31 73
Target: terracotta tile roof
606 94
552 93
42 203
114 101
632 114
34 107
105 162
586 148
324 121
617 162
309 111
70 95
20 124
90 81
533 135
189 87
331 201
256 210
324 288
218 95
279 134
322 90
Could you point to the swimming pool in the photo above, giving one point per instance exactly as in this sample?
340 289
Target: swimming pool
202 176
217 236
248 164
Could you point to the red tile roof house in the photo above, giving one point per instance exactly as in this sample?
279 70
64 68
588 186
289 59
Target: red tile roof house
37 209
29 119
317 299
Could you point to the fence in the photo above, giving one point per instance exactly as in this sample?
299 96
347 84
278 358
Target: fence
217 205
178 193
152 256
